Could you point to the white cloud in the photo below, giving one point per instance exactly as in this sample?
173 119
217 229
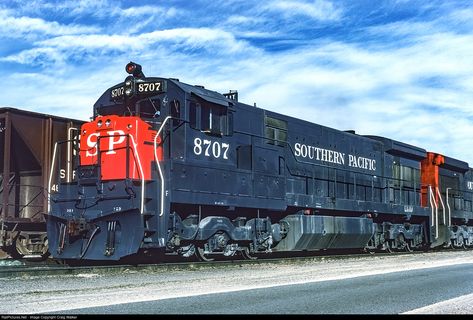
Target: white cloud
61 48
320 10
412 81
243 20
140 11
20 27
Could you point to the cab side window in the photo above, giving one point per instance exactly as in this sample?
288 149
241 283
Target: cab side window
175 106
275 131
193 108
210 118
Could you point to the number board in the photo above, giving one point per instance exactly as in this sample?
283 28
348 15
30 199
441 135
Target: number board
147 87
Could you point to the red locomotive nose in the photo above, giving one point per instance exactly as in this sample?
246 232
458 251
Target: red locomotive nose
118 141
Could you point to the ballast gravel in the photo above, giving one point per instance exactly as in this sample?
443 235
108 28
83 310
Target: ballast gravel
53 293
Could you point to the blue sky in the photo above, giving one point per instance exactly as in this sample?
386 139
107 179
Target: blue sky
399 69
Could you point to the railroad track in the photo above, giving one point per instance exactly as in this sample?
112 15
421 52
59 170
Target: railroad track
50 267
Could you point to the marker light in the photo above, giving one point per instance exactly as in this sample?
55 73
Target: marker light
130 86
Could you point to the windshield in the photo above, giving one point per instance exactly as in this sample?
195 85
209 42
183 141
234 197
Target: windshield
146 108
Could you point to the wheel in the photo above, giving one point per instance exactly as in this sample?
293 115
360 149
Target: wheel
247 255
388 246
460 242
18 249
200 253
408 246
402 243
45 251
449 245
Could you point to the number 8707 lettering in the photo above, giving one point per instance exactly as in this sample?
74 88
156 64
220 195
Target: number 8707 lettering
211 148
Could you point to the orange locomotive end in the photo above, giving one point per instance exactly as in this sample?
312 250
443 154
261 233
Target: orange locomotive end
429 172
124 146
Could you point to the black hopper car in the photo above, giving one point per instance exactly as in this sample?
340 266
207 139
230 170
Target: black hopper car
168 167
27 140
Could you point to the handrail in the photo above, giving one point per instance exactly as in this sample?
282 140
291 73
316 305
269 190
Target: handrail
141 172
449 210
51 176
138 160
432 201
161 176
441 201
70 140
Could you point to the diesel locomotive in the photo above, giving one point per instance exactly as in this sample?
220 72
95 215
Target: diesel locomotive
165 167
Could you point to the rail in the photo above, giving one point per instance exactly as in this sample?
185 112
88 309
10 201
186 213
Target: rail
441 202
97 145
169 263
70 141
161 175
141 172
449 209
137 160
51 172
434 208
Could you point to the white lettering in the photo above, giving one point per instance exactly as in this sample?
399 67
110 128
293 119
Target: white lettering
149 87
297 148
113 142
352 161
318 153
207 143
225 147
92 144
118 92
197 146
469 185
211 148
62 174
311 154
332 156
324 154
304 151
216 150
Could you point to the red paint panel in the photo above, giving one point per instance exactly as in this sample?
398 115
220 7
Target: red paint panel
115 140
429 172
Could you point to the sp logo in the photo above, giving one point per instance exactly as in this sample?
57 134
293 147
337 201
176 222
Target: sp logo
114 137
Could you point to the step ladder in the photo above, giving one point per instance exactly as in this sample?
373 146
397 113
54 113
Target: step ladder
440 221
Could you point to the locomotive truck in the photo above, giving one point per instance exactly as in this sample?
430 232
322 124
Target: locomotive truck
165 167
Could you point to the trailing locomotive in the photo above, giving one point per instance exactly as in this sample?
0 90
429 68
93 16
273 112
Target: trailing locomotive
170 167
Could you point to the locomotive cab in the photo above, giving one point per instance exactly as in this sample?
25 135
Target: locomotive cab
118 178
140 131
